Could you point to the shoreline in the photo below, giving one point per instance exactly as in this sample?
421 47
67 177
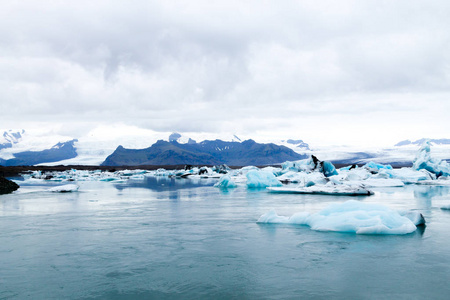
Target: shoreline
10 171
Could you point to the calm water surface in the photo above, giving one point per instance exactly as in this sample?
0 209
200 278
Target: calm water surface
178 239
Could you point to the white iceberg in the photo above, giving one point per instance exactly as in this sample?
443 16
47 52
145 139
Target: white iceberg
328 189
308 165
261 179
225 182
351 216
67 188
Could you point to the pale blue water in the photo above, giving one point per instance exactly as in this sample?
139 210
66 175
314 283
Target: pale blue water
167 239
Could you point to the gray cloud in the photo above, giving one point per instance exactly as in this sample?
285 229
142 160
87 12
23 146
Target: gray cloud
226 66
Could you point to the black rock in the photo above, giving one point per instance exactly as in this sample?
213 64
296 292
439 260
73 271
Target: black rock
7 186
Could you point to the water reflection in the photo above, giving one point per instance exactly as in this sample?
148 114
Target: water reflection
430 192
161 183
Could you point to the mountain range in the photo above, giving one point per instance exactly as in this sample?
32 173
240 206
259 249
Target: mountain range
22 148
205 153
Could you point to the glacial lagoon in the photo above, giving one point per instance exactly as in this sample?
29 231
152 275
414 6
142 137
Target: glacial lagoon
164 238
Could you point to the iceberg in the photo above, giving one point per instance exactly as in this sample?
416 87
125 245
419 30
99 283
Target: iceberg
308 179
426 162
310 165
350 216
328 189
374 167
64 188
225 182
407 175
261 179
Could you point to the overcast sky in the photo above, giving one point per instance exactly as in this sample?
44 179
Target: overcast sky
327 72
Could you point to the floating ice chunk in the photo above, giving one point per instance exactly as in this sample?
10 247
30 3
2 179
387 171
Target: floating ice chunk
350 216
358 174
64 188
407 175
374 167
273 218
225 182
310 165
328 189
261 179
307 179
425 161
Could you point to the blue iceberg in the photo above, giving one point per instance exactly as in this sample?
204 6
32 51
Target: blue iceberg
225 182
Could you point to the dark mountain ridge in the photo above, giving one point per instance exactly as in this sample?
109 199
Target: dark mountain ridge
205 153
60 151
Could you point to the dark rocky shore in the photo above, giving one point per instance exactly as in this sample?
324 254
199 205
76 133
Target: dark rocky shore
7 186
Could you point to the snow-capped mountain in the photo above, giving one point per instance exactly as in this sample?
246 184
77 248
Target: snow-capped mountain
298 146
31 147
10 137
184 139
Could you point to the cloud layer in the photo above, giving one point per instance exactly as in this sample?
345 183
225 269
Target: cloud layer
324 71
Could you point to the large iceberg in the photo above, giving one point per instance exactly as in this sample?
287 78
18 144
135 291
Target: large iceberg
261 179
350 216
425 161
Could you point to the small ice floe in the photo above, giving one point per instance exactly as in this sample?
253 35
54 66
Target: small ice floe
336 190
352 216
67 188
225 182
